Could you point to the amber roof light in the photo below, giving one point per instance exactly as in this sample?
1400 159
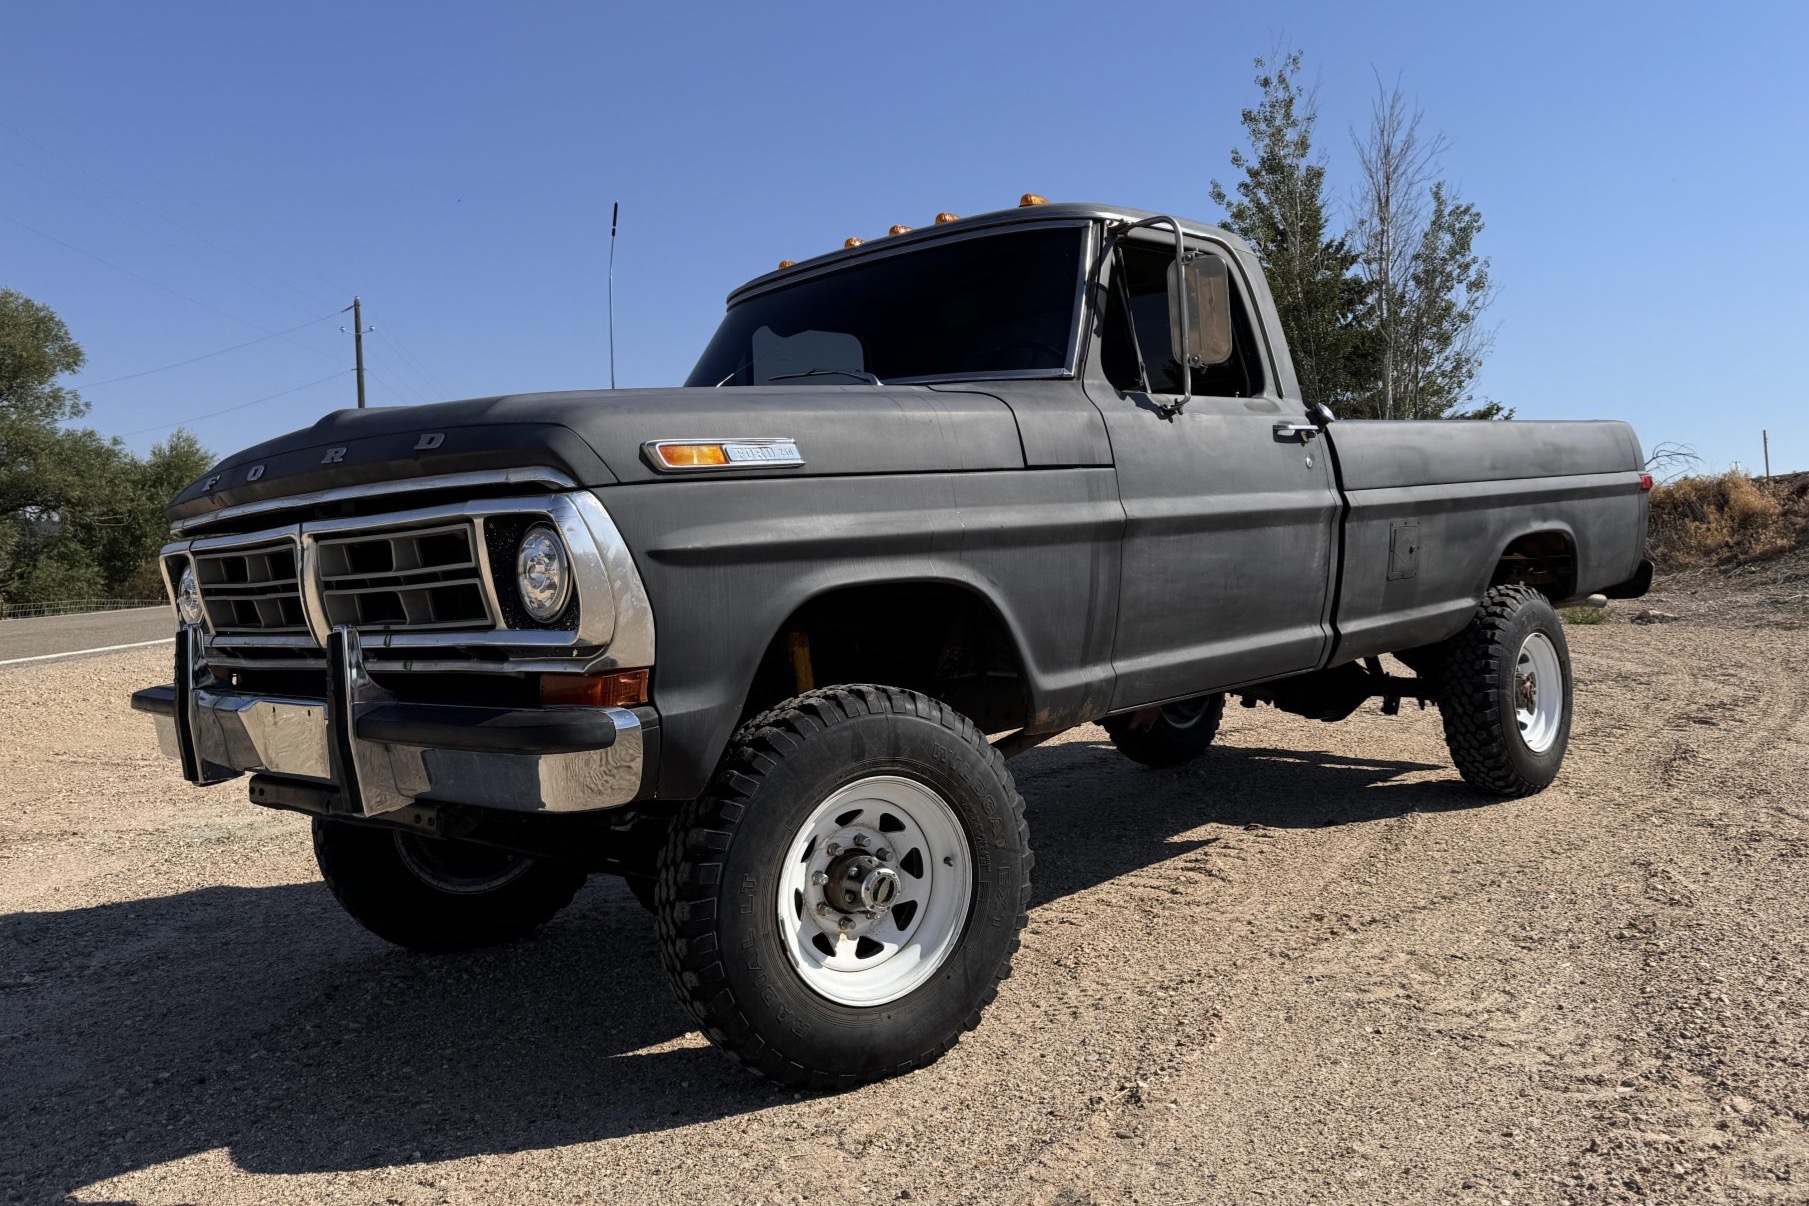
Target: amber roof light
944 218
787 263
899 230
851 241
1031 199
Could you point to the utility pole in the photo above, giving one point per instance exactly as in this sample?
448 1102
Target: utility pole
1766 436
358 344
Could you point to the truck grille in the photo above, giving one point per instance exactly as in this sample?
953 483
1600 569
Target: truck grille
252 589
423 579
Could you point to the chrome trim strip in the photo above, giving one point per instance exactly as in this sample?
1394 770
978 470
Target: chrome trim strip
534 475
631 642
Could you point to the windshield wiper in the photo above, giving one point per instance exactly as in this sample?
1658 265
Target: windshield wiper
828 372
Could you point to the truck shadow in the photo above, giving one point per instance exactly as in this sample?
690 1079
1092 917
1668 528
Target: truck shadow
263 1021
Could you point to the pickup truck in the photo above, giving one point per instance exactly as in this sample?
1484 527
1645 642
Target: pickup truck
763 644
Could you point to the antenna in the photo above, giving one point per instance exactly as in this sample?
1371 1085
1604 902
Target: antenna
614 211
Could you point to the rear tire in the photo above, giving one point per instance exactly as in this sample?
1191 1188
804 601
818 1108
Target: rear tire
1505 694
1178 732
844 900
435 895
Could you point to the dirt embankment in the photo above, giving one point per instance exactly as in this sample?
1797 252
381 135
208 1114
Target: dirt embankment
1310 967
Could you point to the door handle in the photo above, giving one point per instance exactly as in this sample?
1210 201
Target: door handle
1301 431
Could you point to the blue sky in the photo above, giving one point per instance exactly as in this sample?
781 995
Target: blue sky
243 169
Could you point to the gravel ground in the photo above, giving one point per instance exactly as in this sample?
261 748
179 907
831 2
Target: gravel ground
1310 967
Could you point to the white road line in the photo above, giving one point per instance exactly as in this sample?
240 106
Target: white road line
45 657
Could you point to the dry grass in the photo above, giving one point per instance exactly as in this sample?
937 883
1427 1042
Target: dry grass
1729 519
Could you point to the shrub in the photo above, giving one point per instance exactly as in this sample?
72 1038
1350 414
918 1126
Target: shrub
1719 520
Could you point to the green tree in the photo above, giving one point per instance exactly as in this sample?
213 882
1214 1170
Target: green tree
1281 210
1427 286
80 516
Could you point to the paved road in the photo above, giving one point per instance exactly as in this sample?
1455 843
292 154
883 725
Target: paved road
92 630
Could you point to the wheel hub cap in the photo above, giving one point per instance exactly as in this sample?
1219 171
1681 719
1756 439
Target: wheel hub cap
875 890
860 883
1538 692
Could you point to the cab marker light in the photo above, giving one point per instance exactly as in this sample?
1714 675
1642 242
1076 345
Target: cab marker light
750 453
787 263
851 241
944 218
1031 199
898 230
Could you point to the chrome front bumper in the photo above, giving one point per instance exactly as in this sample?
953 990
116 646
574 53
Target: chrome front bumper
382 754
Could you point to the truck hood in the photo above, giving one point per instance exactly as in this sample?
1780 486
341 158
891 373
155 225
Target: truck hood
595 437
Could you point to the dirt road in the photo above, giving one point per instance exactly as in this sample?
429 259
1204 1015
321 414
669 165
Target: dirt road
1311 967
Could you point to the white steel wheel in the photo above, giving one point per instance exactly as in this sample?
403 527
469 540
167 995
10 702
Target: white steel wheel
1538 692
875 891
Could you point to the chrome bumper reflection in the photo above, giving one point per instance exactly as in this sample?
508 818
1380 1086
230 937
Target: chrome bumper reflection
218 734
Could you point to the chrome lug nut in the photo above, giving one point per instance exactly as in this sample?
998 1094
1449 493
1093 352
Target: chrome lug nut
832 849
845 924
818 878
883 854
861 840
823 909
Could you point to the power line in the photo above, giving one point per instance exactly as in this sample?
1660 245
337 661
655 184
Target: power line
156 213
138 276
409 358
142 229
209 356
241 406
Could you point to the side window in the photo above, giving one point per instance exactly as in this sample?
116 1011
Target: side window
1137 321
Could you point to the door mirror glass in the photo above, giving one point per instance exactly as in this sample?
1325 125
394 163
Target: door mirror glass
1201 290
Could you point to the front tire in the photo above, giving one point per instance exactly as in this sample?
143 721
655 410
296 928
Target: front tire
435 895
1505 694
844 900
1170 735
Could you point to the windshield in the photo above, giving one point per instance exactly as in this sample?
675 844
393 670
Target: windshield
992 304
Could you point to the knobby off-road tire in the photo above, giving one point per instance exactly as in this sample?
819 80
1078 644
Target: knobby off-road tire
1507 722
1180 733
433 895
846 782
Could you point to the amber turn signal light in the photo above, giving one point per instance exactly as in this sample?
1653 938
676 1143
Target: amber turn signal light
1031 199
620 689
690 456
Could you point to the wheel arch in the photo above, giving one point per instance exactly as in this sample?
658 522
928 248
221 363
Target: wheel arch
946 636
1544 555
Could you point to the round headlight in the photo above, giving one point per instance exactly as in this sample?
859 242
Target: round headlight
188 598
543 573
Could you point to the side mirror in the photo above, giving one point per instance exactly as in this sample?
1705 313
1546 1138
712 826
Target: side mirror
1199 311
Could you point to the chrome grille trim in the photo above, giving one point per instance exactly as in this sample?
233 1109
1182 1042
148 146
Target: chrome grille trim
417 579
615 618
252 587
537 475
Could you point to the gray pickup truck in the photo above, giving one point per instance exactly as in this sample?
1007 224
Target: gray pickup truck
763 644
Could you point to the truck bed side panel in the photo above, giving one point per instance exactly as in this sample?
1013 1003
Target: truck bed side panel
1433 505
727 561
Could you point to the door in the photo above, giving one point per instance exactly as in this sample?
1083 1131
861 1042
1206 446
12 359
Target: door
1231 511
